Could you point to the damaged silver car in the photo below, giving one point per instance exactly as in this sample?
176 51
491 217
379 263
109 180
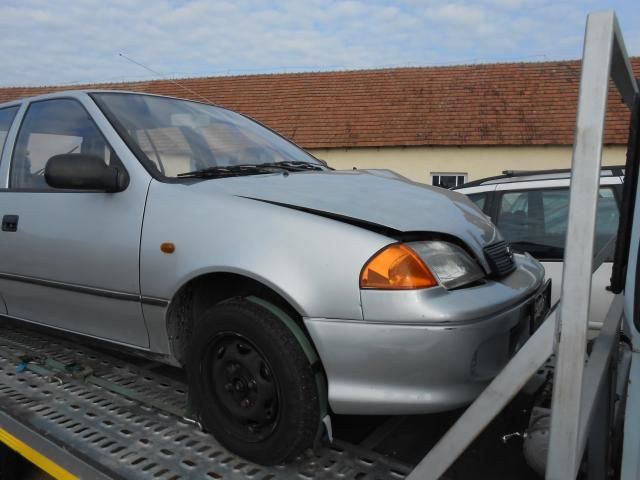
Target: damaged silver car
287 290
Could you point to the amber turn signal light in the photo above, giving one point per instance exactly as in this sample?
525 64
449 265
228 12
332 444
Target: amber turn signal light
167 247
396 267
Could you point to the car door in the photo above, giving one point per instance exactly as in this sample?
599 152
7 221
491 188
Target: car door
533 218
7 115
70 259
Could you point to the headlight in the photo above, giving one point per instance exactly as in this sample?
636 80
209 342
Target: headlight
396 267
414 265
451 264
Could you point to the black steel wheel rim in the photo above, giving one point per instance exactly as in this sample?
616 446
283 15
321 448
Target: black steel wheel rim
244 387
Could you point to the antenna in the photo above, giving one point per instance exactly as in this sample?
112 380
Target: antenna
168 79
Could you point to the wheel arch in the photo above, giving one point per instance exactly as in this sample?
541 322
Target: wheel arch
203 291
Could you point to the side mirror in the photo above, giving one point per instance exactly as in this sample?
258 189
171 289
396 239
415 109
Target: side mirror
79 171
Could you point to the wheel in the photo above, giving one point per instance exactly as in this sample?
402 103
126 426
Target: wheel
251 383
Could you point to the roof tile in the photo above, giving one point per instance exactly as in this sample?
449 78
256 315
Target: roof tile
491 104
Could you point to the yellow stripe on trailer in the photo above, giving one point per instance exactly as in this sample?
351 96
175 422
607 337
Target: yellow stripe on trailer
35 457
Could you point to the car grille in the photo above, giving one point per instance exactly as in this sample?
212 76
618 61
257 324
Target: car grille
500 258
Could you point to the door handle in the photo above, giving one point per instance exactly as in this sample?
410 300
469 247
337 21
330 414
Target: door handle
10 223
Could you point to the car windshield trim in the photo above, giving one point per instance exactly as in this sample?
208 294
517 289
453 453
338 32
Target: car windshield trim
292 157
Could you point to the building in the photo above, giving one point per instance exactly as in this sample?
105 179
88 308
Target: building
432 124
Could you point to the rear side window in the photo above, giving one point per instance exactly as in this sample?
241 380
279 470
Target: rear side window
53 127
535 221
6 118
480 199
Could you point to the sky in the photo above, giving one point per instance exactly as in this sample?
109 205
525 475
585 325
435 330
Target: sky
67 42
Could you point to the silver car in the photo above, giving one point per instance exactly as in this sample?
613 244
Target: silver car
287 290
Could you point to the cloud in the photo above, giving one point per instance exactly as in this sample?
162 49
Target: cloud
510 4
458 14
74 41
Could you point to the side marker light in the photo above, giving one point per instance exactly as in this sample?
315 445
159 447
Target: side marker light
167 247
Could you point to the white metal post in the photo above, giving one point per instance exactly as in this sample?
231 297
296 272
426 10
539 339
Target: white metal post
604 57
576 281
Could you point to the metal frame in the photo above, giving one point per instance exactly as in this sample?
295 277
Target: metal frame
573 403
604 57
47 447
489 404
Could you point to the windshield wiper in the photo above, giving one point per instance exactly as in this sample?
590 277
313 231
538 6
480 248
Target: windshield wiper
232 171
295 165
250 169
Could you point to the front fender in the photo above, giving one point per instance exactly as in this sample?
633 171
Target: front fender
313 262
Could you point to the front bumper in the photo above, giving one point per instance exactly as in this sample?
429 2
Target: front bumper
430 363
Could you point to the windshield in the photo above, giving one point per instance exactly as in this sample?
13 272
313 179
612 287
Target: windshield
179 137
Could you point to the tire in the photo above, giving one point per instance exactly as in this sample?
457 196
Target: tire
251 383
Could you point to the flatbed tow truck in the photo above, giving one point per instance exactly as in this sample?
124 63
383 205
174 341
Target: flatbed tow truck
80 411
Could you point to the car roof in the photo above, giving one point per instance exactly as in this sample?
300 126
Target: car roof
513 176
77 93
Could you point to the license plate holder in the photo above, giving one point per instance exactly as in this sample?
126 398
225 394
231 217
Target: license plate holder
540 306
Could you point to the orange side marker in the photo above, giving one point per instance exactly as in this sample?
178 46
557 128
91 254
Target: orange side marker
167 247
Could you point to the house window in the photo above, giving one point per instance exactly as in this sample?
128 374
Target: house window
448 180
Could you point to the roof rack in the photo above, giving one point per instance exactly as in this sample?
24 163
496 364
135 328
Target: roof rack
606 171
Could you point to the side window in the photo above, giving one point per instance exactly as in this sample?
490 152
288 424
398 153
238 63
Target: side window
480 199
53 127
513 219
6 119
555 204
608 218
536 220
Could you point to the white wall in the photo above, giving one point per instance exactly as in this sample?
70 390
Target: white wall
417 163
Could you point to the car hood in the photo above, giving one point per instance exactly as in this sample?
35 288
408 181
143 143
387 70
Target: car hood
378 197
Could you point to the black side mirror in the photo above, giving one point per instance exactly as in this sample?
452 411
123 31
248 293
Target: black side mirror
79 171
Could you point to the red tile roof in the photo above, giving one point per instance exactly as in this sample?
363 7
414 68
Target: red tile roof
493 104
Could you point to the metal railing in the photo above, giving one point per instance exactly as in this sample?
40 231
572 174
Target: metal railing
604 58
580 389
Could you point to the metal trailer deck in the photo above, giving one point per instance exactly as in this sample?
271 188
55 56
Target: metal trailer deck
98 420
104 425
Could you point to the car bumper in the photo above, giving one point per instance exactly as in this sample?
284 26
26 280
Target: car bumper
429 364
